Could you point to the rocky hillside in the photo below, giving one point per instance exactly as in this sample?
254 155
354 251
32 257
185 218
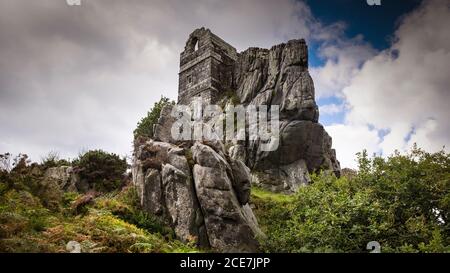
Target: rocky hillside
48 208
201 192
401 202
202 188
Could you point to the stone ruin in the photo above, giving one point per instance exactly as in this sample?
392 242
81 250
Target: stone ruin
206 67
212 69
202 188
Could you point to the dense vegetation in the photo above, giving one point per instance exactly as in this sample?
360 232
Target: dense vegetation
36 216
402 202
103 171
145 125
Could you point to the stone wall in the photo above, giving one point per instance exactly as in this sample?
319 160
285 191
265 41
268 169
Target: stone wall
207 71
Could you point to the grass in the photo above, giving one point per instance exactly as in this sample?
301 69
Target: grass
112 223
109 225
265 195
270 208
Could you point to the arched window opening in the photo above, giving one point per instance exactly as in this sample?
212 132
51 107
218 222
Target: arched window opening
195 45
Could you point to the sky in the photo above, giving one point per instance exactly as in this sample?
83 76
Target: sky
74 78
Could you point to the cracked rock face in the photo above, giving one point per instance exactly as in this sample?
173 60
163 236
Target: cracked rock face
279 76
230 227
205 200
67 179
202 188
276 76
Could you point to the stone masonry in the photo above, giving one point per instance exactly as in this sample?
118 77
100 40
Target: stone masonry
206 67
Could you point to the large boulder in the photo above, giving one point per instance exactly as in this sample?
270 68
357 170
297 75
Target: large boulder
299 139
241 180
279 76
66 178
150 190
230 226
284 178
162 175
304 147
162 129
200 192
180 201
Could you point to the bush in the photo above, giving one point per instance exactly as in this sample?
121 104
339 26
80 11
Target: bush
401 201
9 163
145 125
23 176
36 217
52 159
103 171
21 211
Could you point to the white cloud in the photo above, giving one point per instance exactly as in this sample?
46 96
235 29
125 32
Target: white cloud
429 131
343 58
351 139
80 77
405 89
401 93
74 78
331 109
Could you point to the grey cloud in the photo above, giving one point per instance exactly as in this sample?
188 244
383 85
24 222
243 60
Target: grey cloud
75 78
408 95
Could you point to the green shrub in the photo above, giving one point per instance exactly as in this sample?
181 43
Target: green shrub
27 177
145 125
4 184
113 222
21 211
52 159
401 201
103 171
69 198
148 222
